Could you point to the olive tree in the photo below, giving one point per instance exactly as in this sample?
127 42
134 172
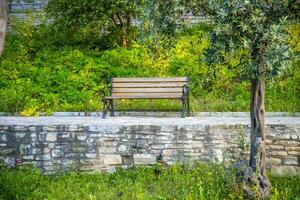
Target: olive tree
258 29
3 22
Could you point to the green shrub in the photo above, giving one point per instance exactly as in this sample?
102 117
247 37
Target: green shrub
67 80
38 74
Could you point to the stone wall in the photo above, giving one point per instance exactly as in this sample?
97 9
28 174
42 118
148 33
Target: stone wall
103 147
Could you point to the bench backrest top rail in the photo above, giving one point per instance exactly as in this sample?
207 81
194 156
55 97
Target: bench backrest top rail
149 80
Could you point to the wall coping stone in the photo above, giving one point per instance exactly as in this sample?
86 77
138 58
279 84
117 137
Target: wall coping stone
53 122
164 114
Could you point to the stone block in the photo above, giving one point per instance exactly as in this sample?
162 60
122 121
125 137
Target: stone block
167 128
19 128
103 128
29 157
65 135
277 153
169 152
51 137
288 148
32 128
8 151
141 144
34 136
50 128
46 150
3 138
73 155
56 153
36 151
25 149
285 170
274 161
80 137
291 160
3 145
268 142
73 128
95 167
20 136
107 150
43 157
287 143
144 159
275 147
122 148
50 168
69 164
91 155
110 143
42 136
295 153
112 159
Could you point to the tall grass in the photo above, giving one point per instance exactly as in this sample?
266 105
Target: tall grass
202 181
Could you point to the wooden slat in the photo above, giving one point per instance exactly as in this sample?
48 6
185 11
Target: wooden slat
148 85
149 80
145 94
147 90
145 97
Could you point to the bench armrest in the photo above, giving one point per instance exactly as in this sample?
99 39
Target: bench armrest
186 90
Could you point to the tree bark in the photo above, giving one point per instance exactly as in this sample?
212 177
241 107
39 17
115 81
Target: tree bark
3 23
256 172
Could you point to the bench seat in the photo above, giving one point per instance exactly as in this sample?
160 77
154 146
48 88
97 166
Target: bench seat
145 97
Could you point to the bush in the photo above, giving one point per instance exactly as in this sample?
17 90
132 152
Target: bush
67 80
38 75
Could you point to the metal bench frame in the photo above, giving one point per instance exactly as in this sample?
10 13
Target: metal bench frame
109 105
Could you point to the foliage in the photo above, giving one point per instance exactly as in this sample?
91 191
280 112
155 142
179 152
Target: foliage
94 22
159 17
202 181
258 28
63 80
39 75
94 18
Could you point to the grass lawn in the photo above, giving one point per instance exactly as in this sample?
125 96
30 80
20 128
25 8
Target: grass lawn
175 182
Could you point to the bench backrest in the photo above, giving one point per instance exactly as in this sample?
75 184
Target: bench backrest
144 87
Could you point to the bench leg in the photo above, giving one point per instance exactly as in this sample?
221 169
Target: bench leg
188 106
104 108
112 110
182 107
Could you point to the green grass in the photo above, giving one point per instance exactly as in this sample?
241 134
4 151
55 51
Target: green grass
176 182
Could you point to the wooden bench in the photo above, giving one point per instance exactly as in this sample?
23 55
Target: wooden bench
148 88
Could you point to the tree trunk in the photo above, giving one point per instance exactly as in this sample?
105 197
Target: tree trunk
123 39
3 22
256 172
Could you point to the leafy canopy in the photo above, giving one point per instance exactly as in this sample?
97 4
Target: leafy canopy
258 28
101 16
